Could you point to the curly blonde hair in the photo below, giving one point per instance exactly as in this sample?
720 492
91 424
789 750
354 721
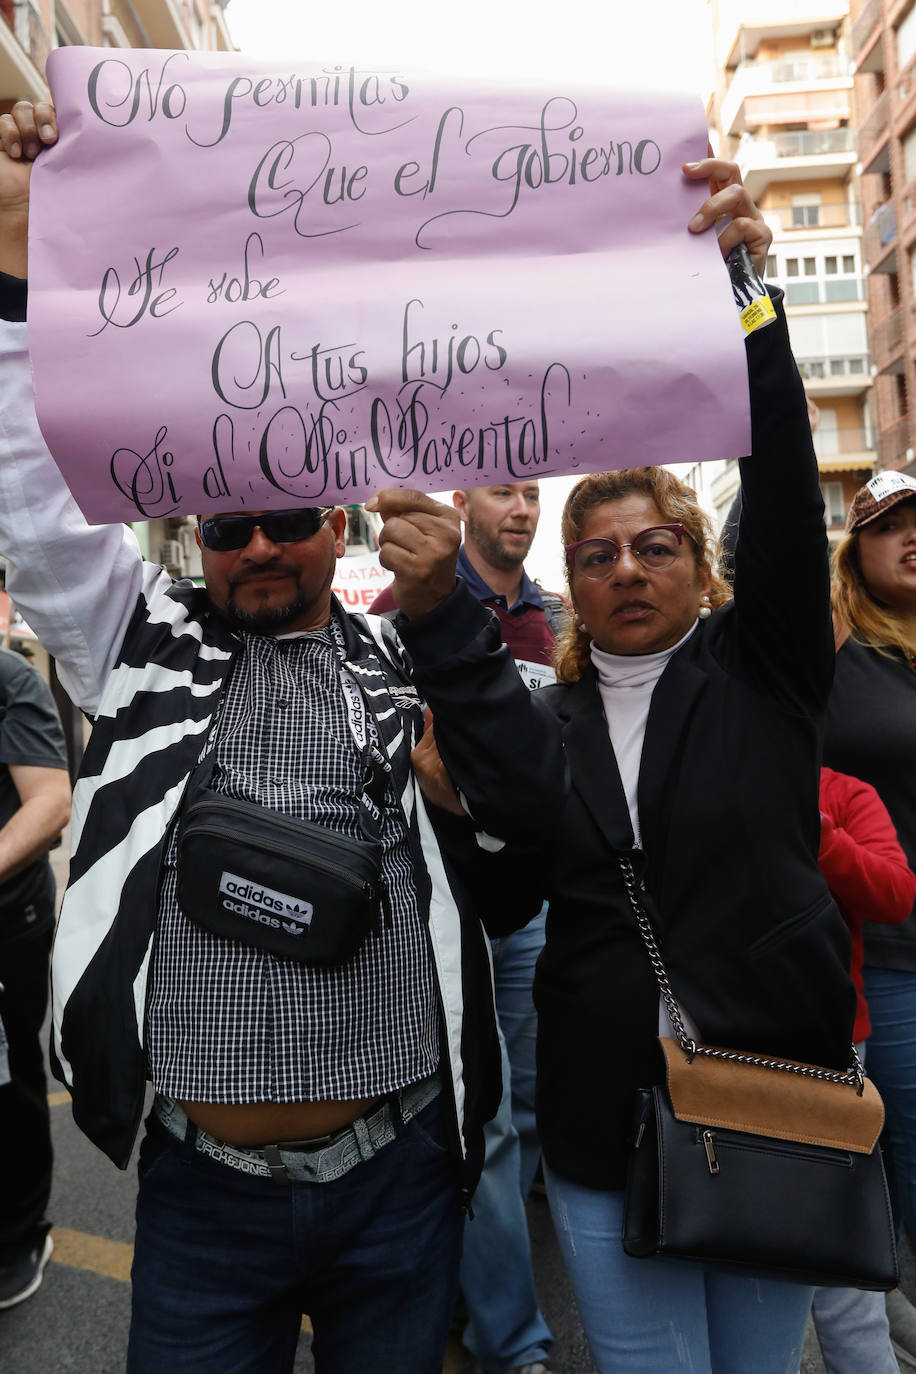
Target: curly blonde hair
677 503
869 623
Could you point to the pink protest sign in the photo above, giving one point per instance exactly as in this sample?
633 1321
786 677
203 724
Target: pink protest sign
260 284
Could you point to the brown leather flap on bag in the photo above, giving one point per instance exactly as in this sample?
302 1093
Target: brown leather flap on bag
745 1097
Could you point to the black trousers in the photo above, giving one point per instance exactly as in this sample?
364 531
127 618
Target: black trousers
25 1122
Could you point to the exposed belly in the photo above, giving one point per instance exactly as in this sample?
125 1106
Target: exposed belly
266 1123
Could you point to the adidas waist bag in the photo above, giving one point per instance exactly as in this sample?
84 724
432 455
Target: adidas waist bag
287 886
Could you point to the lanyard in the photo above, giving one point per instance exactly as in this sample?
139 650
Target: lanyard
366 734
374 765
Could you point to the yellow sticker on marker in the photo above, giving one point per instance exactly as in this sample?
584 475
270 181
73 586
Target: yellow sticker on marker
758 313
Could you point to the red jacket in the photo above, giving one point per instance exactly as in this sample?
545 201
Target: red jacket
865 868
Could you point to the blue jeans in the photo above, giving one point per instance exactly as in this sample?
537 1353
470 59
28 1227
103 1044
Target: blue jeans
645 1316
505 1326
225 1264
891 997
852 1332
851 1324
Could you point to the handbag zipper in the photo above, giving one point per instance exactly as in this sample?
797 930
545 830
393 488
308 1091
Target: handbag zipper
328 865
279 822
766 1145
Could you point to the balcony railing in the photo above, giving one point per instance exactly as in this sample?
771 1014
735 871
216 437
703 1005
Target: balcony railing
880 232
23 17
815 68
833 443
832 368
848 215
755 154
893 444
865 25
873 127
887 338
813 142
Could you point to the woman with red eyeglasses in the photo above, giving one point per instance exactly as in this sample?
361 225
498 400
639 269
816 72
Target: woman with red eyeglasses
691 722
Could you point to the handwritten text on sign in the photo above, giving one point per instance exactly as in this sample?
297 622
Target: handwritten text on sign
252 288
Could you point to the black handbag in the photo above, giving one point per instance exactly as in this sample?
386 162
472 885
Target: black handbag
757 1163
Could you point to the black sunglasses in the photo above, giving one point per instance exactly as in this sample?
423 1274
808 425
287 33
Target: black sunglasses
223 533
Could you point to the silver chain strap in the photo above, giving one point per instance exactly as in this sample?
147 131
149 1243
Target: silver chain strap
854 1076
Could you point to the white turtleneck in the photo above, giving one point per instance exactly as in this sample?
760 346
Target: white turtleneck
626 683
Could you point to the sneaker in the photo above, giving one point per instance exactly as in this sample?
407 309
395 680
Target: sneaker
901 1318
22 1277
539 1367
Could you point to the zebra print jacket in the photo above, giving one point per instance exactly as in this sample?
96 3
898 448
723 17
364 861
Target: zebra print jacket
146 659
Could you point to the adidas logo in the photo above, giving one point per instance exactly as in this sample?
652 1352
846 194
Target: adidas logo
237 891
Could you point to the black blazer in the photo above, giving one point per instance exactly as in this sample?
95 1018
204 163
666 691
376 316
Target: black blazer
728 803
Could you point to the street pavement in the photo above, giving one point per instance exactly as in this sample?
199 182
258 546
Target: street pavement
78 1319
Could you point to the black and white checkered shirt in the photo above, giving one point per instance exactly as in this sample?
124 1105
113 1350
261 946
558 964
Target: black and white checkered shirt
230 1023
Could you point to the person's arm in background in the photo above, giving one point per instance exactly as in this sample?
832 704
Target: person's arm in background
860 855
76 584
33 751
45 810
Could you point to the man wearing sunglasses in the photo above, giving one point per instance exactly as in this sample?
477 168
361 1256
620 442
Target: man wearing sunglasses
265 919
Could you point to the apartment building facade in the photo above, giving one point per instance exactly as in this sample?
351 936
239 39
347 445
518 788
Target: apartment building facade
783 108
883 40
30 29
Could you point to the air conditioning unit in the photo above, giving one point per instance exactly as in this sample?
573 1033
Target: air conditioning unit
823 38
170 554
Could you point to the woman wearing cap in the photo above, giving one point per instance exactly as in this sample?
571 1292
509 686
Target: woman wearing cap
871 733
692 729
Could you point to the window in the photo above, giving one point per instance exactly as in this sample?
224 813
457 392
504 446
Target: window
843 289
826 437
830 266
791 267
771 268
806 210
810 267
906 39
849 263
803 293
834 510
909 154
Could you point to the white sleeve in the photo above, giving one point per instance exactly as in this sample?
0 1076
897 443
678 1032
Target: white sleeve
76 584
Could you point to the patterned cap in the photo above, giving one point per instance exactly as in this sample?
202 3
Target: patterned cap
877 496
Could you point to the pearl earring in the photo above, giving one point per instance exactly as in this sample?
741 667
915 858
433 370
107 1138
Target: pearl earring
705 610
